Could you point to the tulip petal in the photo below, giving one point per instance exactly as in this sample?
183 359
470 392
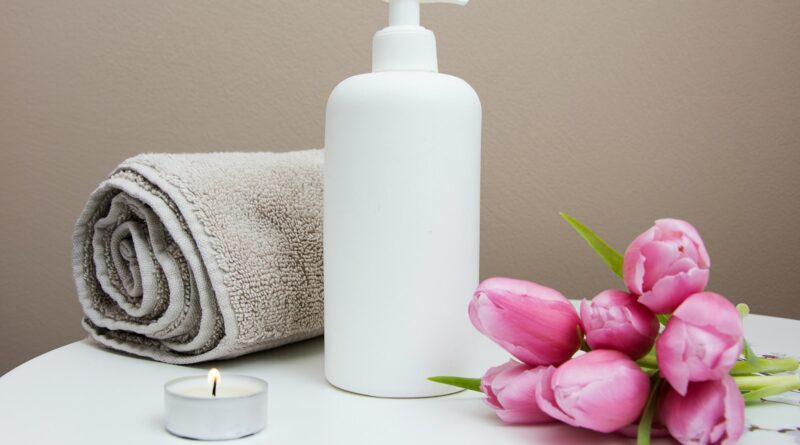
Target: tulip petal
692 418
537 334
519 287
546 398
540 328
704 352
510 390
710 413
701 341
734 411
520 394
585 313
496 379
668 249
659 256
602 390
633 262
615 320
670 348
521 389
713 310
692 252
671 291
680 226
684 264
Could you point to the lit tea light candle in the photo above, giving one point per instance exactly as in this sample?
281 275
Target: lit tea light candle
213 378
208 408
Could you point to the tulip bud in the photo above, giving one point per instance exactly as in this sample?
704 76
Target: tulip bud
711 413
615 320
602 390
536 324
511 390
666 264
702 341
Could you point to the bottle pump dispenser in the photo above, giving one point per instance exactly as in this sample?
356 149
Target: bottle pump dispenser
401 223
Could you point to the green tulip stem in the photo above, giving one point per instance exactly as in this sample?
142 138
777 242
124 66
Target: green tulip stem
584 346
646 421
786 383
760 365
648 361
767 365
756 382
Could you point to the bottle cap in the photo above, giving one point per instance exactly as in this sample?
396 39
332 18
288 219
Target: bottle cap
405 45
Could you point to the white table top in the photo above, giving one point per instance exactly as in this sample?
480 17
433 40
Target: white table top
84 394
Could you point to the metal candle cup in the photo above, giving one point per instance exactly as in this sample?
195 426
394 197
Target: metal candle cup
238 408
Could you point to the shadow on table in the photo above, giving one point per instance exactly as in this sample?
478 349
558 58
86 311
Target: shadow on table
560 433
305 355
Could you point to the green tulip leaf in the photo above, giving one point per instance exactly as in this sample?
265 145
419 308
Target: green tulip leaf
765 365
460 382
749 355
611 257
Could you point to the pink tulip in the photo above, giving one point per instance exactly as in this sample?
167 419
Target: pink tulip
710 413
534 323
701 342
602 390
511 390
666 264
615 320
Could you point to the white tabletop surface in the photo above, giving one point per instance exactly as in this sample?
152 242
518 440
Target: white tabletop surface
84 394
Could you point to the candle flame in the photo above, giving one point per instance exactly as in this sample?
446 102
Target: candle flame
213 376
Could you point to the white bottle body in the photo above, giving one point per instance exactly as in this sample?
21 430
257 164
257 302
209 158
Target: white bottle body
401 232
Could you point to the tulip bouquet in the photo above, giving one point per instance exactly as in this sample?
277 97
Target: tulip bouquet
662 357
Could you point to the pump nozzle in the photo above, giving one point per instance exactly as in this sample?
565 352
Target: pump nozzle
406 12
405 45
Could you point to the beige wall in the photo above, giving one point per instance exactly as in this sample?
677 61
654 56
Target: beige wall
618 111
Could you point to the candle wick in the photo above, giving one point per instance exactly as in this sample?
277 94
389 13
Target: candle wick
214 389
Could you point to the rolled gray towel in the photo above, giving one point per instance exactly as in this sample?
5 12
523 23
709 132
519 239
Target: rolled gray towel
185 258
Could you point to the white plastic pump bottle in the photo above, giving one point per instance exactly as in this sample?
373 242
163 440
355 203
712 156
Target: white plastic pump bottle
401 223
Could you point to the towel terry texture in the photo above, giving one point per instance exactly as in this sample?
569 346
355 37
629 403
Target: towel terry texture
185 258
